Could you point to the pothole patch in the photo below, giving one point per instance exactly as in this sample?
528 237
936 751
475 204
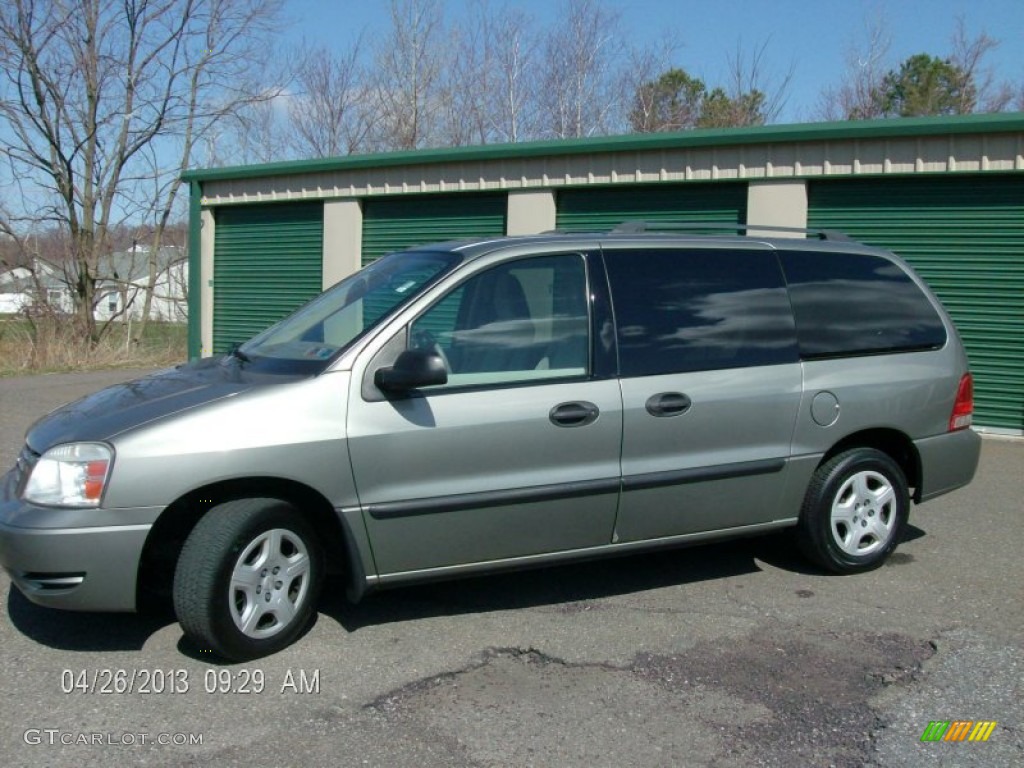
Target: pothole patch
773 699
816 687
521 707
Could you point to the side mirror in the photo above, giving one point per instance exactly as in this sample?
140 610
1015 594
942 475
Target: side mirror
414 368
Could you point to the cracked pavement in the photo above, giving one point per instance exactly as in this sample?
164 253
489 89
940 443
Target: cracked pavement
733 654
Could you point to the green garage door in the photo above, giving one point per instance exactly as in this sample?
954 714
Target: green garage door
267 261
965 237
396 223
598 210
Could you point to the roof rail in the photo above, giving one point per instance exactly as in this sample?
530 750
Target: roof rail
636 227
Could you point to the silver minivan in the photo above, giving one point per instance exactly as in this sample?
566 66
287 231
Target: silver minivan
469 407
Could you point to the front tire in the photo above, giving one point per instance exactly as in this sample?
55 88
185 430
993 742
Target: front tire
854 512
248 578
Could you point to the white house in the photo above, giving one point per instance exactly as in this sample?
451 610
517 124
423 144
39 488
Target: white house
20 288
120 294
15 285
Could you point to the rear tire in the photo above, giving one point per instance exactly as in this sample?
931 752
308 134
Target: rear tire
854 512
248 578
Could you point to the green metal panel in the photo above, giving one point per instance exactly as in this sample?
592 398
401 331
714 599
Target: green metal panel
397 223
965 236
597 210
267 262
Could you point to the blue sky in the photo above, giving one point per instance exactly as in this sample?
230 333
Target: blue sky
812 35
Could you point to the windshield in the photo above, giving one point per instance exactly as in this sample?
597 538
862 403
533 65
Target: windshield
307 340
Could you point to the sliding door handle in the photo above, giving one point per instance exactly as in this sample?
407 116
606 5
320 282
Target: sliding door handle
667 404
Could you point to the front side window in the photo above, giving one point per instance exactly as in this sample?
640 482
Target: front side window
308 339
855 303
699 309
520 321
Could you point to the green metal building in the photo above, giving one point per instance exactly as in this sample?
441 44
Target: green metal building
947 194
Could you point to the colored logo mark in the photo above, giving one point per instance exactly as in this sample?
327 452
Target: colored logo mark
958 730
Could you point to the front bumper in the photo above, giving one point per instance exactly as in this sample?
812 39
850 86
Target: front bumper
72 559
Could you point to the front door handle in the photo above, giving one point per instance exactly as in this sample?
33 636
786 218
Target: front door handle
667 404
577 414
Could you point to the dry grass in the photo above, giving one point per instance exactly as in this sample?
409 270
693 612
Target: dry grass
50 345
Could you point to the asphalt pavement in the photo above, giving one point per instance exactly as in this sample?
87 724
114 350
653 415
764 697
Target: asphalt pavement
726 655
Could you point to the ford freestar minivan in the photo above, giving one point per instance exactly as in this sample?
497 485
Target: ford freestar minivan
468 407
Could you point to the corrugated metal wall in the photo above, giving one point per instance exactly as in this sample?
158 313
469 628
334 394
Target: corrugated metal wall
597 210
965 237
268 260
396 223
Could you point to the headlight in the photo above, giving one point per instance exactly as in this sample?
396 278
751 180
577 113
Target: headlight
71 475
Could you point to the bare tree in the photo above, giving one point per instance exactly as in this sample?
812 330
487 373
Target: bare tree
859 95
484 95
978 89
12 245
467 80
257 132
105 101
515 59
408 65
579 94
330 112
756 97
489 87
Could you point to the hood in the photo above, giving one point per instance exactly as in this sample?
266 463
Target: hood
121 407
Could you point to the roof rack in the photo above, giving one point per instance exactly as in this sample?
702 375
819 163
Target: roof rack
636 227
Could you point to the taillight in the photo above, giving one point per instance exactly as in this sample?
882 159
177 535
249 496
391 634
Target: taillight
963 408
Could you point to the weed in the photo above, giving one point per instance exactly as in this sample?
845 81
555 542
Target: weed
49 345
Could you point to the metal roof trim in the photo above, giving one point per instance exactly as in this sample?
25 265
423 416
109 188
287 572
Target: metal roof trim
721 137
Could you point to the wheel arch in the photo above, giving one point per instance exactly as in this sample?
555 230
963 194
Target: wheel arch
167 537
897 445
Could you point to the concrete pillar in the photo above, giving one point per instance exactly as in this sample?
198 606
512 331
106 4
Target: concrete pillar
530 212
343 239
778 203
206 232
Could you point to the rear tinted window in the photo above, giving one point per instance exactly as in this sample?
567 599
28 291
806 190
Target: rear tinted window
852 303
694 310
